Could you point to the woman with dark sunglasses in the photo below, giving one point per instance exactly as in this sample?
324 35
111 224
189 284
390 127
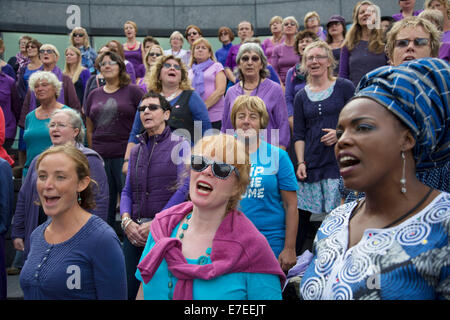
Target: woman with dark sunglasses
253 81
80 40
152 180
206 248
270 201
189 116
152 55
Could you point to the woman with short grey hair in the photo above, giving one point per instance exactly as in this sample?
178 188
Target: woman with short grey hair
253 80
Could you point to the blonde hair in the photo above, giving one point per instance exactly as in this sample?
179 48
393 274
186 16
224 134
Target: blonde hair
48 46
289 19
86 36
78 67
133 24
445 3
155 83
148 68
414 22
196 43
251 103
434 16
228 149
81 168
328 52
310 15
176 33
275 19
353 36
48 76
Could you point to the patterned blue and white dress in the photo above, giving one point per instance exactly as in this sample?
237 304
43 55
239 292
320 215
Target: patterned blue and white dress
408 261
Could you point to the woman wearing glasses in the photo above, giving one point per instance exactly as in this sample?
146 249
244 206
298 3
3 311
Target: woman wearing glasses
312 23
150 59
65 127
80 40
205 248
284 56
253 81
170 79
316 110
208 79
192 34
153 180
110 111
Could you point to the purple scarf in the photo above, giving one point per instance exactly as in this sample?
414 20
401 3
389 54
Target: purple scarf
198 81
237 247
21 60
59 74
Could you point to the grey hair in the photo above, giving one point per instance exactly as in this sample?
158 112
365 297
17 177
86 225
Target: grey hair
48 76
75 121
255 47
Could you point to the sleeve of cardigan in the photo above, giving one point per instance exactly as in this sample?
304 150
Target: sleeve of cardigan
344 71
199 111
25 109
299 120
70 94
289 92
125 197
102 189
15 102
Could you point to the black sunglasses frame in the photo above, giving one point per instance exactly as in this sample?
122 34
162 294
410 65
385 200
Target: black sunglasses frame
216 167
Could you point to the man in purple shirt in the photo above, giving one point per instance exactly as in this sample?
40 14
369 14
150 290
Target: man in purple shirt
245 31
406 10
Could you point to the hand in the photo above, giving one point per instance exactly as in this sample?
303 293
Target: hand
301 171
144 230
330 138
18 244
287 259
133 235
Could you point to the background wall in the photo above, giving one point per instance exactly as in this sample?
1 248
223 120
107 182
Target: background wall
50 21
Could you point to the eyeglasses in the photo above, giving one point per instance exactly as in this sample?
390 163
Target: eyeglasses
168 66
151 107
31 47
292 23
312 58
152 54
107 63
193 33
418 42
223 33
49 51
246 58
80 35
219 169
53 125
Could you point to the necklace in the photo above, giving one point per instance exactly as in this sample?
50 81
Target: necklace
132 47
257 86
358 207
172 96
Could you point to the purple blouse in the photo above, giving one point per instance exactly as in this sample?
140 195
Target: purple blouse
284 58
268 47
399 16
272 95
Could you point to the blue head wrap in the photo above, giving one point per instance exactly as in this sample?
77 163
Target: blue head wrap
418 93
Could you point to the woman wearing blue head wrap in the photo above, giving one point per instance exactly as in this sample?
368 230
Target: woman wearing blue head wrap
393 244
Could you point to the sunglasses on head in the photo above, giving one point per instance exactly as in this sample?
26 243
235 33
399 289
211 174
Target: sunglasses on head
246 58
80 35
153 54
168 66
219 169
418 42
151 107
49 51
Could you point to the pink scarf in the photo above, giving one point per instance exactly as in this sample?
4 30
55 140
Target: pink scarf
237 247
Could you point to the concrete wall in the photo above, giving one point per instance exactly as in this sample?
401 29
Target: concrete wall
159 18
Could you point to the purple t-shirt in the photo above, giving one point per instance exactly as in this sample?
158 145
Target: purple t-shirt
209 78
231 58
10 104
112 116
284 58
354 64
399 16
135 57
272 95
268 47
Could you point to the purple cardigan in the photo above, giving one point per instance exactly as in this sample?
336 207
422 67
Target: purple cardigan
152 176
272 95
27 212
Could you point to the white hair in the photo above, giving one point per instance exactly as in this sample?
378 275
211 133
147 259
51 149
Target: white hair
48 76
